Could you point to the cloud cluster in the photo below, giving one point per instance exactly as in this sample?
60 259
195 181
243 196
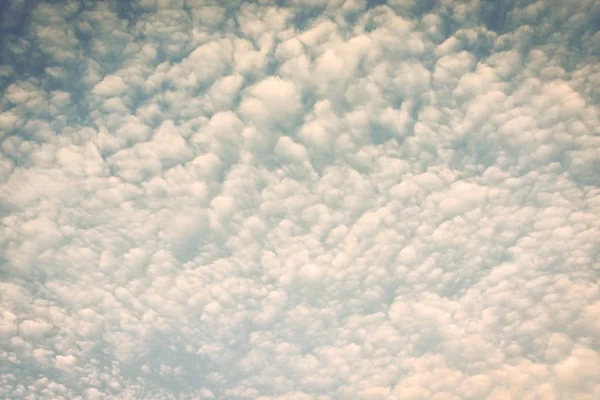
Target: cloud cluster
300 200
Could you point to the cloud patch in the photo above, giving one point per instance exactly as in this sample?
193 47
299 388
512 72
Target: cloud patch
351 200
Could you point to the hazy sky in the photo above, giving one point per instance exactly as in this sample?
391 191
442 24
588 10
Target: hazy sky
300 200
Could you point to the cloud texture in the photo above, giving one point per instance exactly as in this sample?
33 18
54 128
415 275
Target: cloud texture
300 200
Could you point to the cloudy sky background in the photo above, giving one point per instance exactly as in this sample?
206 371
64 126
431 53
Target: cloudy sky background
300 200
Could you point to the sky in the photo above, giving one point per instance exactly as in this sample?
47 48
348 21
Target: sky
300 199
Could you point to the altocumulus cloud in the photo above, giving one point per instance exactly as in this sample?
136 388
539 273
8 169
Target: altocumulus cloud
300 199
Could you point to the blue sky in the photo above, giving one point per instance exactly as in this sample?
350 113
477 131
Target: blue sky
300 200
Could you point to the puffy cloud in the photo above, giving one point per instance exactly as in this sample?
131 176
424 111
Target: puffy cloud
300 200
272 102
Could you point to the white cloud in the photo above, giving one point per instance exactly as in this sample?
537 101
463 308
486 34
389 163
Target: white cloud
34 329
272 101
110 86
65 361
302 200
